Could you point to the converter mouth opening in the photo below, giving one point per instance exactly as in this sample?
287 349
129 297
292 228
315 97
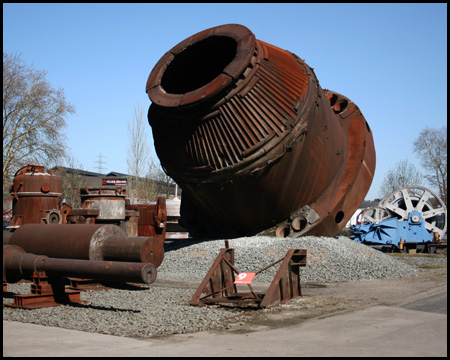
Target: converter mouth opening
201 67
198 64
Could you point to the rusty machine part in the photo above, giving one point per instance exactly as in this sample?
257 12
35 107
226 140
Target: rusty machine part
252 139
18 265
36 197
109 201
219 284
108 205
152 218
105 205
87 242
47 274
45 292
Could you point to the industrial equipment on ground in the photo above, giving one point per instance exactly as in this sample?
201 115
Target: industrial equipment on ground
410 218
36 197
106 235
220 285
48 276
253 140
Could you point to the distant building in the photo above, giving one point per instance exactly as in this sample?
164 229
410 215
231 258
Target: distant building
113 178
94 179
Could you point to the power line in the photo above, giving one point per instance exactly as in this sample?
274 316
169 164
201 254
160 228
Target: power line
99 163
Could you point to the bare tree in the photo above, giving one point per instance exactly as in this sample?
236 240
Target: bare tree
139 159
431 146
33 118
72 181
138 149
402 174
164 184
149 178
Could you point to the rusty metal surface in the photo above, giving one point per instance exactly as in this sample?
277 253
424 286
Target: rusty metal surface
87 242
286 283
152 218
219 285
219 280
6 236
70 241
105 205
133 248
109 201
45 292
33 193
252 139
19 264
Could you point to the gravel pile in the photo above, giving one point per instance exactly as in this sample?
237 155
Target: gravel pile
328 259
144 311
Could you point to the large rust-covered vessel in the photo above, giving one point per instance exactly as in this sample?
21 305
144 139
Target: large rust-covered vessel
35 196
253 140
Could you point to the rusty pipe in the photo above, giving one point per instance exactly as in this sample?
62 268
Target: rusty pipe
6 237
18 264
86 242
252 139
145 249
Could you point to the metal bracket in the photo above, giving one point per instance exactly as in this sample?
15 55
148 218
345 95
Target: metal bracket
45 292
218 286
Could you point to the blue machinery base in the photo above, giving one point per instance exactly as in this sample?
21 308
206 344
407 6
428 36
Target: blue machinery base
394 234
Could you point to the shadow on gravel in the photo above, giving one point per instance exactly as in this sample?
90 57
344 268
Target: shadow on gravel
103 308
8 294
123 286
175 244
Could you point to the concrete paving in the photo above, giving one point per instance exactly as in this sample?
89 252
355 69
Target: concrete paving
373 331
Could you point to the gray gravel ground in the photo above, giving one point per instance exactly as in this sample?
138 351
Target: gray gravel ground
146 311
328 259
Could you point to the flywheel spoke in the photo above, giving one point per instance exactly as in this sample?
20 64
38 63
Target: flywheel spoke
433 212
396 210
407 200
423 199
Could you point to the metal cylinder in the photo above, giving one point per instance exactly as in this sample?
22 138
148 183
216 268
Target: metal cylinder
6 237
86 241
252 139
33 193
17 264
110 201
69 241
133 248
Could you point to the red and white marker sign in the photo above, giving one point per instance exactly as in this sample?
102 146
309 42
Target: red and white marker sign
244 278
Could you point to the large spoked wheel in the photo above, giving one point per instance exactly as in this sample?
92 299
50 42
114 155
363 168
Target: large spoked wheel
403 201
373 215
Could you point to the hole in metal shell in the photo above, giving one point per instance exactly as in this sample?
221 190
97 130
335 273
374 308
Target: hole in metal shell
198 64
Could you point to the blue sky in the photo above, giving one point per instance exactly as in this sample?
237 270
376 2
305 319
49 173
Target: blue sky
390 59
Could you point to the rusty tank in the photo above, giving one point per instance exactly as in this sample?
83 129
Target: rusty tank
253 140
36 197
